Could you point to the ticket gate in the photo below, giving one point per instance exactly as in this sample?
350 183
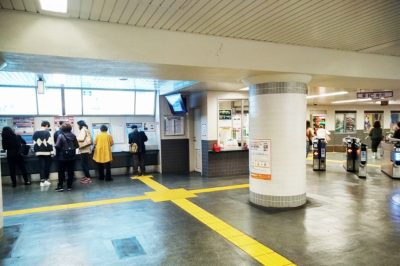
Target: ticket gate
319 154
356 156
391 158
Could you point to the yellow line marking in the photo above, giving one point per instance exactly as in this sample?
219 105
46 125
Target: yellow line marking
253 248
74 205
147 179
165 195
213 189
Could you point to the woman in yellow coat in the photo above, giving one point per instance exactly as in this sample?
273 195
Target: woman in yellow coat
102 153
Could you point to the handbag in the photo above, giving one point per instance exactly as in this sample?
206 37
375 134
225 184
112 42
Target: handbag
87 141
133 148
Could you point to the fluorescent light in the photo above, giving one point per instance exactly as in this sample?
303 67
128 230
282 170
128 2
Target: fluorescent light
59 6
327 94
352 101
244 89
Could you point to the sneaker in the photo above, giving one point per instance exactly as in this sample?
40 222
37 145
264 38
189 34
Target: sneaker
59 189
47 183
27 183
69 189
42 183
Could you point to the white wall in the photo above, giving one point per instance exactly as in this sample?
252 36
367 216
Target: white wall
330 111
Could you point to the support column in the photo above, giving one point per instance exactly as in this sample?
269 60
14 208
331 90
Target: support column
277 147
1 205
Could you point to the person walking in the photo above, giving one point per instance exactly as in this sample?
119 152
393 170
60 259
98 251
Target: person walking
376 136
67 145
396 134
43 148
13 143
84 140
138 138
102 153
309 136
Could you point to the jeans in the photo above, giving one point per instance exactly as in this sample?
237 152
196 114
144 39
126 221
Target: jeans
13 161
85 163
69 167
45 163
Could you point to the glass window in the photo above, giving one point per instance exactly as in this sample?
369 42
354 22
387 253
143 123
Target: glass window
233 124
105 102
394 119
17 101
50 102
370 117
145 102
345 122
73 102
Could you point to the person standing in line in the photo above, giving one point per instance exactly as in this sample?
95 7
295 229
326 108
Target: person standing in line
12 143
84 140
66 144
43 148
102 153
139 138
309 136
396 134
376 136
58 151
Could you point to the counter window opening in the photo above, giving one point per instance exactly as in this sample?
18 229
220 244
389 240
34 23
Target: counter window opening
233 124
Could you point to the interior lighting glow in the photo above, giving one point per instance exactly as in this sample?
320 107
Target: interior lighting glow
352 101
244 89
59 6
327 94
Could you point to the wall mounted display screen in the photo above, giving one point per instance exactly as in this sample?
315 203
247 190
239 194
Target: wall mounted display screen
176 104
73 102
17 101
50 102
145 103
105 102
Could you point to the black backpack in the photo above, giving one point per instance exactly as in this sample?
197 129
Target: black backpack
68 149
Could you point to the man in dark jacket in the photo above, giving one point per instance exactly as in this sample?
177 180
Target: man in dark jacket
138 137
43 147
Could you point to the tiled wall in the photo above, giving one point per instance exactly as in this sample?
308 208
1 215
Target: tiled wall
175 156
226 163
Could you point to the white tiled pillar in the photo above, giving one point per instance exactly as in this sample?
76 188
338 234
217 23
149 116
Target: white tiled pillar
277 139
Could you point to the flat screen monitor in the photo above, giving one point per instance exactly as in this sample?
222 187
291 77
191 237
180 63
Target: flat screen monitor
28 138
176 104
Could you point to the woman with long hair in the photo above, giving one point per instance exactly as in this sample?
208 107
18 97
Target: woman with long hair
12 143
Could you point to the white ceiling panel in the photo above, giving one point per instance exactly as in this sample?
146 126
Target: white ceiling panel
351 25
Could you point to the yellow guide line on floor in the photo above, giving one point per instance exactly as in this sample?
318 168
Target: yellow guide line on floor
74 205
255 249
213 189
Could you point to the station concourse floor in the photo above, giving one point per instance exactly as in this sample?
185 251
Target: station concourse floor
346 221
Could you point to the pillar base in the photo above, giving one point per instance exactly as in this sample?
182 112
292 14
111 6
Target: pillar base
278 201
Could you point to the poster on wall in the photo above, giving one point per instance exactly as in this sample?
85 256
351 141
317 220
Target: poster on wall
350 122
339 123
57 119
174 125
370 118
394 119
24 125
149 126
260 159
225 114
318 120
96 128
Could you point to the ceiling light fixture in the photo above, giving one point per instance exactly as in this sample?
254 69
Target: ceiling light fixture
244 89
59 6
352 101
327 94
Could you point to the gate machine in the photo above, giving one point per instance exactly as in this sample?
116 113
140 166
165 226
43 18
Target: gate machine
391 157
356 156
319 154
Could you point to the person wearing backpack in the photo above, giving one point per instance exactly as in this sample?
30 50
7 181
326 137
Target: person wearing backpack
376 136
67 145
13 143
138 138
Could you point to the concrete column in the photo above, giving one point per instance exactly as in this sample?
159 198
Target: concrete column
277 139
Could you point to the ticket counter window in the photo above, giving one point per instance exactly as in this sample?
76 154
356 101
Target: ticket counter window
233 124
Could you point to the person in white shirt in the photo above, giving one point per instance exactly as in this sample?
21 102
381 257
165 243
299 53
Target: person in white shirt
323 134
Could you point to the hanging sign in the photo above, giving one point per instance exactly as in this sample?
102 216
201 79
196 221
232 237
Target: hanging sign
374 94
260 159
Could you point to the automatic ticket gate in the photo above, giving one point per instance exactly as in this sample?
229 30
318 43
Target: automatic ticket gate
356 156
391 158
319 154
